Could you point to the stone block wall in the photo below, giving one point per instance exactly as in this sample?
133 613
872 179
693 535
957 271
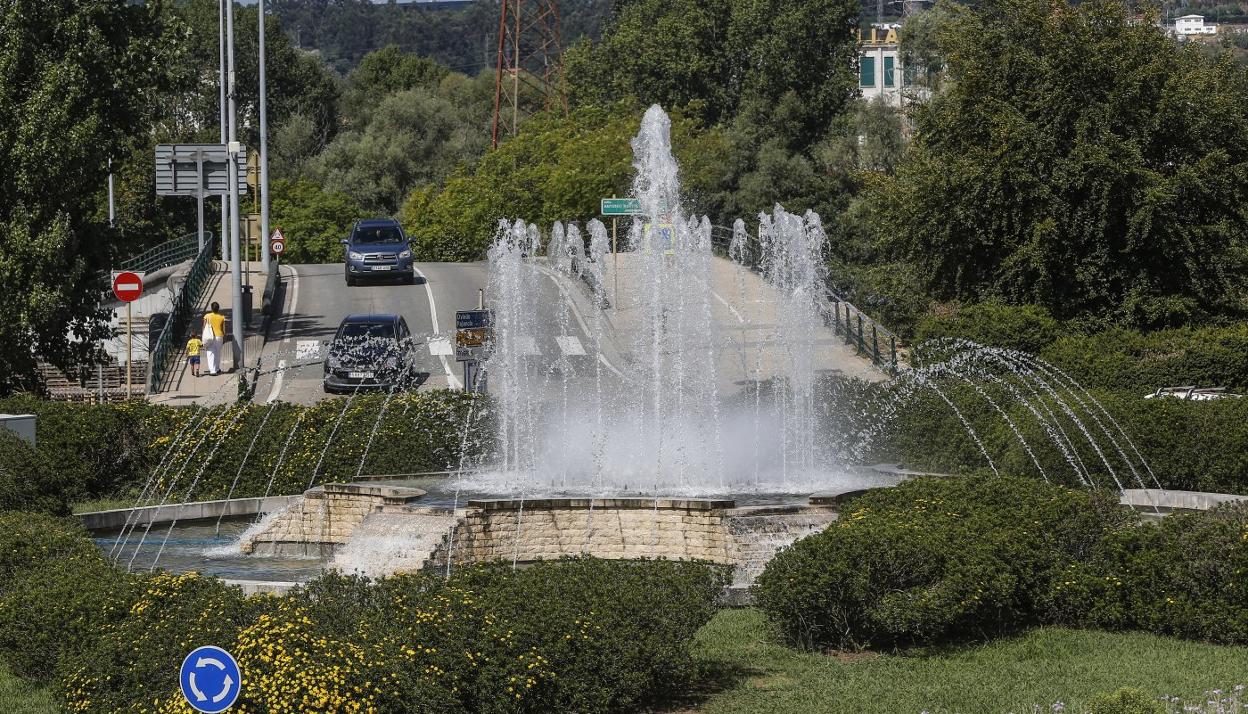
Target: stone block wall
605 528
323 519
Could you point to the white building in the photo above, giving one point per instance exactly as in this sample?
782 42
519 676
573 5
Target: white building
1193 25
880 73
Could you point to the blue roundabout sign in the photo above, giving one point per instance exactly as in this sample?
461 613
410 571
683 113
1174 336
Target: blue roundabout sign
210 679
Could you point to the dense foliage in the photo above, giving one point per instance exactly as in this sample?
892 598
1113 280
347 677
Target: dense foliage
555 169
936 560
110 451
71 88
577 635
933 560
1078 160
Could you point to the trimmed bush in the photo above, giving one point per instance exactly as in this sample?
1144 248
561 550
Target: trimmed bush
577 635
1186 577
933 560
28 480
1029 328
1120 359
108 451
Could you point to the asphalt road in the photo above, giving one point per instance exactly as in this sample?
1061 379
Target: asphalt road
316 298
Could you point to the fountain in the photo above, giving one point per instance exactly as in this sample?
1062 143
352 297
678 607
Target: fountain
665 402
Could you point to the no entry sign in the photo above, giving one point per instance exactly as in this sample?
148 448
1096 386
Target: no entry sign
127 286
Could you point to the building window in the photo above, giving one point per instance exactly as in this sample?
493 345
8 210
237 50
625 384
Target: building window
889 81
866 72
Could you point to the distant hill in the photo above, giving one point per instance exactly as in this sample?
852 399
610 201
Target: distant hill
461 35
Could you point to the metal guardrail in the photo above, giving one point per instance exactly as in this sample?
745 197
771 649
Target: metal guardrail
270 289
867 337
180 316
171 252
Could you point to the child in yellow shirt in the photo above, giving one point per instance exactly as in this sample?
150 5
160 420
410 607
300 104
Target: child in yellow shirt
192 354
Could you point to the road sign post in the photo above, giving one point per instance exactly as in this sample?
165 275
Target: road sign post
128 287
210 679
616 207
277 242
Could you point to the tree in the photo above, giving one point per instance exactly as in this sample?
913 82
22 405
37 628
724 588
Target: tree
73 75
312 220
557 168
385 72
1079 161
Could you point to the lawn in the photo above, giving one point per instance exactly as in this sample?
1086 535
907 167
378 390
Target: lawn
18 697
748 673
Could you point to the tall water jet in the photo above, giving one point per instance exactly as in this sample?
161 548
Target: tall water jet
648 405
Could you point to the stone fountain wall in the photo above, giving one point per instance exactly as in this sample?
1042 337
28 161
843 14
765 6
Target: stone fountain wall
547 529
323 519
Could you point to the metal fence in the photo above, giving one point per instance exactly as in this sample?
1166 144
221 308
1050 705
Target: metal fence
167 347
867 337
171 252
270 289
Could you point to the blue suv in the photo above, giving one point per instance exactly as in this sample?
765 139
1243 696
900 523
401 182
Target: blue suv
377 248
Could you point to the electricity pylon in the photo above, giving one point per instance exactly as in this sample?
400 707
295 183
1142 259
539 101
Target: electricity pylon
528 75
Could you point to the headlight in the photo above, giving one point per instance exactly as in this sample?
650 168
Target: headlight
356 256
405 255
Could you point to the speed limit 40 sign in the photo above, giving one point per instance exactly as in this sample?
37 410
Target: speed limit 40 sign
277 242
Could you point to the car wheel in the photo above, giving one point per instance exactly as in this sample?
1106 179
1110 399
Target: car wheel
411 279
350 282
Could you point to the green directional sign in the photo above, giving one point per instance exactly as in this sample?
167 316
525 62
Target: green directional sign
621 207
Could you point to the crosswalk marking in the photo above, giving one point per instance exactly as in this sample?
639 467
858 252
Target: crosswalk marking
307 349
440 347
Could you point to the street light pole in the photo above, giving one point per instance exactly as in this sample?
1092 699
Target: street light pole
236 275
225 208
264 157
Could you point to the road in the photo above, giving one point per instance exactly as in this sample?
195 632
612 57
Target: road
316 298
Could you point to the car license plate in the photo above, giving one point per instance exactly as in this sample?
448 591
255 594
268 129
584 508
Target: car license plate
360 375
382 267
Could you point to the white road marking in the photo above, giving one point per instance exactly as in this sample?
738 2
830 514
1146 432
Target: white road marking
570 346
576 312
732 309
277 382
440 347
307 349
451 379
527 346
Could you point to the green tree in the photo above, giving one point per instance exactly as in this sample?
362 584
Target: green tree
385 72
415 137
72 80
313 220
1079 161
557 168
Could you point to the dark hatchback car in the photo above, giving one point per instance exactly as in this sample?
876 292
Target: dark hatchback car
378 249
371 351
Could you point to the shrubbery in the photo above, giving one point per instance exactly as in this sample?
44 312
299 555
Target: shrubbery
110 450
933 560
936 560
1029 328
582 635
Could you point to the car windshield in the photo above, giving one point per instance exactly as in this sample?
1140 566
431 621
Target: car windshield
377 234
365 330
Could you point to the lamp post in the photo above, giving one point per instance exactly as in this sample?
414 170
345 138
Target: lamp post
264 157
225 208
236 276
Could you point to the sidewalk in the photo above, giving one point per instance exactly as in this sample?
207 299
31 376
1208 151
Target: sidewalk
206 390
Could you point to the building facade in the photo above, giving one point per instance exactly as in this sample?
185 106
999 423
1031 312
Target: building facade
1188 25
880 74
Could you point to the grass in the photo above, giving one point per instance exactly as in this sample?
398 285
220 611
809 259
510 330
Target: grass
749 673
101 504
19 697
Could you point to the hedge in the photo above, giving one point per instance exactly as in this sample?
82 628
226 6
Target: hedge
938 560
933 560
196 453
582 635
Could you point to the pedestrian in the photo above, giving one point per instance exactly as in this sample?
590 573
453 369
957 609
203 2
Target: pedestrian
214 335
192 354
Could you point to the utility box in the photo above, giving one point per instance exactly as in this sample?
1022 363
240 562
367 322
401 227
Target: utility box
21 424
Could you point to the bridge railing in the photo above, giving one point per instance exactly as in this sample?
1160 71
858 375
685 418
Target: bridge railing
858 329
171 252
167 347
